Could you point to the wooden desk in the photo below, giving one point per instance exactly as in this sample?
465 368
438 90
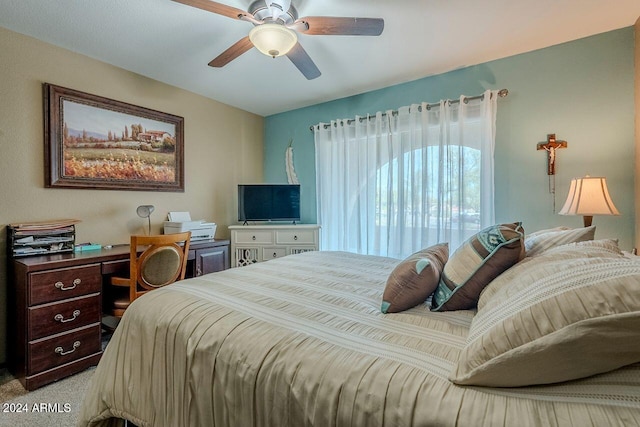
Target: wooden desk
55 307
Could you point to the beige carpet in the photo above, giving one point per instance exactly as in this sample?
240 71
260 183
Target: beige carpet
10 388
53 405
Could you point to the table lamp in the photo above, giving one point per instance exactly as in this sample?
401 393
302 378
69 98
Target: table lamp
144 211
588 196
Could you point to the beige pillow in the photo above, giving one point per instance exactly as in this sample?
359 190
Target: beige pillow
549 230
476 263
542 240
414 279
565 319
530 265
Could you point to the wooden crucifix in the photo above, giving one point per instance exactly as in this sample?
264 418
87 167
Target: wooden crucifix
550 146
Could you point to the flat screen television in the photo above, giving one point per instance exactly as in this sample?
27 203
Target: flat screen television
268 202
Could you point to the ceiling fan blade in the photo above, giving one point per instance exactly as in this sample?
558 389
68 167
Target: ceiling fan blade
219 8
237 49
338 26
303 61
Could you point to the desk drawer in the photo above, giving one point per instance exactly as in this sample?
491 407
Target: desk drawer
57 317
119 268
253 236
63 348
56 285
293 237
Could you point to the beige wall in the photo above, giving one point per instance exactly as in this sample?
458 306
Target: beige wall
223 146
637 109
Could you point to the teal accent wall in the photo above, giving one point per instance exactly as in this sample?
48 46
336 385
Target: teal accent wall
583 91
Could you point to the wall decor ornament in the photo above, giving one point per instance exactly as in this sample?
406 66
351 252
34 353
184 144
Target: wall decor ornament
551 145
100 143
292 177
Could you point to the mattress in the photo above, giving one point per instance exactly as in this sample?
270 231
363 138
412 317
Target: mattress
300 341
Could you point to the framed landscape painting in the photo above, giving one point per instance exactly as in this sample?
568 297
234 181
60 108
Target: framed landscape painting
100 143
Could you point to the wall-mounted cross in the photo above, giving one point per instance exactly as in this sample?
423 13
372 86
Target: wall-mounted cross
550 146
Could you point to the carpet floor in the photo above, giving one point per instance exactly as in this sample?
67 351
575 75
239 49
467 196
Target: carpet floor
54 405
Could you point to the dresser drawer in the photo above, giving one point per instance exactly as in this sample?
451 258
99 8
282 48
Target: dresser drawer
63 348
56 285
57 317
293 237
253 236
273 253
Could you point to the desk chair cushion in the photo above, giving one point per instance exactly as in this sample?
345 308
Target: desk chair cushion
121 304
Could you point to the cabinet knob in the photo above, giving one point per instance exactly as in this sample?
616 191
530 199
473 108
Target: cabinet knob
275 255
295 237
60 318
61 351
61 286
253 237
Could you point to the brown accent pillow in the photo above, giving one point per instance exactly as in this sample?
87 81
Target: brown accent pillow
476 263
561 319
414 279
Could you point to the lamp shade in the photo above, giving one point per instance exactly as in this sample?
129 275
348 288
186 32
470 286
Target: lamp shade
273 39
589 196
144 211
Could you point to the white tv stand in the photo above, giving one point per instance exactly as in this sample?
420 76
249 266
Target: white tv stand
257 243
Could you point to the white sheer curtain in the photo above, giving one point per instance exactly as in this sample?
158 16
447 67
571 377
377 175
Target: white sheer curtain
394 183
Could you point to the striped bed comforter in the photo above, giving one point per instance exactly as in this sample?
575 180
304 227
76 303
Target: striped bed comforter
300 341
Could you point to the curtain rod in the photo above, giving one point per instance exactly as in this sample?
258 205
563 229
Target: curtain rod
501 93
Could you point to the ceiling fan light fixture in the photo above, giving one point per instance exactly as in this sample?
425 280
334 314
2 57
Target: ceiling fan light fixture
273 39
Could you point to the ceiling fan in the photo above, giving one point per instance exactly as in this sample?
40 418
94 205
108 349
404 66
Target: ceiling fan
276 24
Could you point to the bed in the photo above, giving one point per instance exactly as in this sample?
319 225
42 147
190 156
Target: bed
301 341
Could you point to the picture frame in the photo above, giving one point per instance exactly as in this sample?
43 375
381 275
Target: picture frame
93 142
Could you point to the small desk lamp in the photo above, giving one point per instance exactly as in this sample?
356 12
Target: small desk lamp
588 196
144 211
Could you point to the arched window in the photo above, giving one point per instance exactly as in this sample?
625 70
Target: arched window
399 182
427 205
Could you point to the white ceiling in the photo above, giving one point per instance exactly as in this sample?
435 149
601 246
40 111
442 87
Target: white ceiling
173 43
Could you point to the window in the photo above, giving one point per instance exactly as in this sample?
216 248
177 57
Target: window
396 183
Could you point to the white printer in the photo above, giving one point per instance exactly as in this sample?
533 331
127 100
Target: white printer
180 222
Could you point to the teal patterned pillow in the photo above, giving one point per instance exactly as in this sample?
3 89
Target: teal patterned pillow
476 263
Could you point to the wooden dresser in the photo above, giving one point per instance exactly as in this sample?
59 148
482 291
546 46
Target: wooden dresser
55 307
257 243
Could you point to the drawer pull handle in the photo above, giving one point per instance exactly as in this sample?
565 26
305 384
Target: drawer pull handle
253 237
295 237
60 318
61 351
61 286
